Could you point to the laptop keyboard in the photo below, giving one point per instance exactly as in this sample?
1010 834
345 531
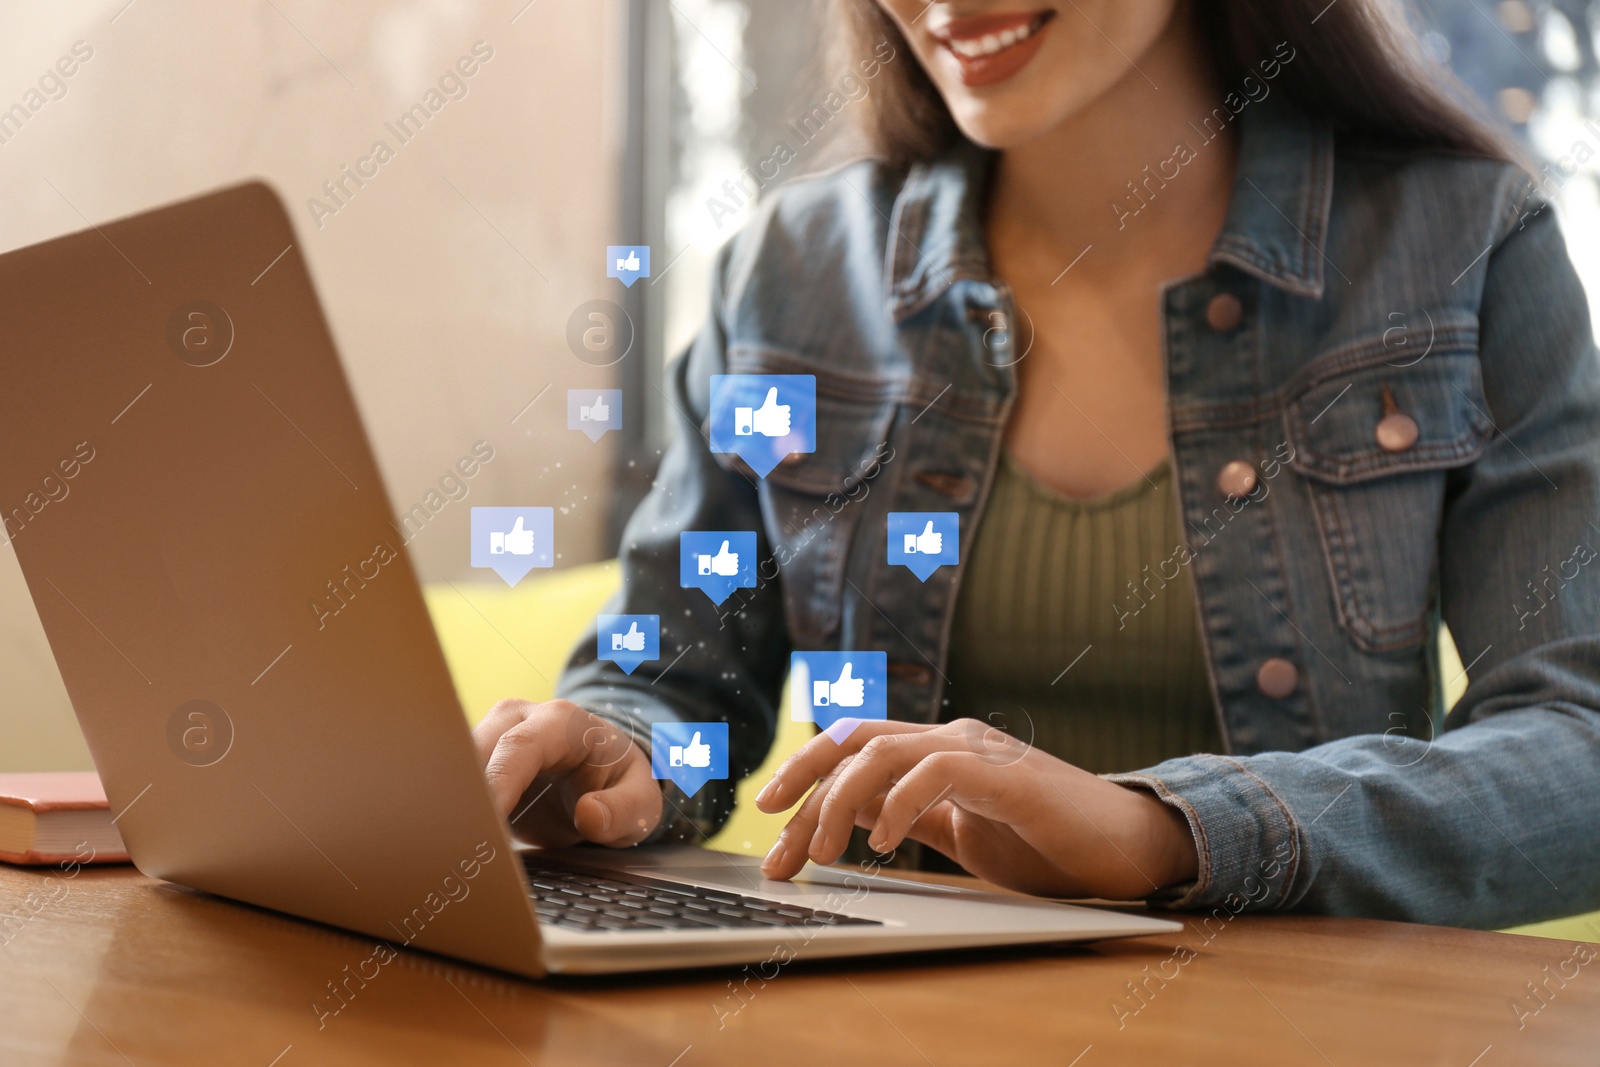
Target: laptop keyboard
598 901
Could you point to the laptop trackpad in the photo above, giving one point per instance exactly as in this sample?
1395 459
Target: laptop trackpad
812 881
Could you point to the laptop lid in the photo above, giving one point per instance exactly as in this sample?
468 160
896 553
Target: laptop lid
202 526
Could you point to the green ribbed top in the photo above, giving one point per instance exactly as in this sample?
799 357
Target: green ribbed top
1048 629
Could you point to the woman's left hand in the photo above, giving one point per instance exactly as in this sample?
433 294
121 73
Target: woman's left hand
1004 810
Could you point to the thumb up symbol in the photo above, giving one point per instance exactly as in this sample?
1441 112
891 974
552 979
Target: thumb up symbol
926 543
599 411
725 563
694 754
517 541
848 692
771 419
632 641
631 263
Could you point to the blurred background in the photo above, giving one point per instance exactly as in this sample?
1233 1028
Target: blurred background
450 277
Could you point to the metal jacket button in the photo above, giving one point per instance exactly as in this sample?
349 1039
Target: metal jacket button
1277 678
955 486
1396 432
1237 479
913 673
1224 313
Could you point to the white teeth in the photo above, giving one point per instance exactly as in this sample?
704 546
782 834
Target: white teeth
989 44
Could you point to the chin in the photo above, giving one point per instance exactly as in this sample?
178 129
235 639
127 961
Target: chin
1001 123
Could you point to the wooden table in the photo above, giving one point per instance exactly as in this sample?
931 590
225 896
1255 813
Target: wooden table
110 967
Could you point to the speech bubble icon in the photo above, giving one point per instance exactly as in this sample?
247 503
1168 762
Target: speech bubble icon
689 754
762 418
628 640
828 688
513 541
924 541
717 562
594 412
627 263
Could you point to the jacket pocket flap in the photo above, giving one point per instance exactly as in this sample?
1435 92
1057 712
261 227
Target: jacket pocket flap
1436 415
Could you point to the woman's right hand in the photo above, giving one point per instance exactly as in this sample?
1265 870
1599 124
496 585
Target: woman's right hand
561 774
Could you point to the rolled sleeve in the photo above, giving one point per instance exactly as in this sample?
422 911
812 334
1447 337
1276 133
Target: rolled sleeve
1245 836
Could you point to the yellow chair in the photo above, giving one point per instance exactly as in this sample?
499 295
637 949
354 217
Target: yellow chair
504 642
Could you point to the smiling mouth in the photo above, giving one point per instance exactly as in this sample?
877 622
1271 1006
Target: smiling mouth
992 48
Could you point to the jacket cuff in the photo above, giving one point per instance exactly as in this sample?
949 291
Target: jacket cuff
1247 840
685 820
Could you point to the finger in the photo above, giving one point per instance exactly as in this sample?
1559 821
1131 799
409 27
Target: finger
694 740
543 743
928 529
500 718
818 757
952 775
990 850
882 762
518 527
845 676
625 812
789 854
772 398
935 828
507 714
723 551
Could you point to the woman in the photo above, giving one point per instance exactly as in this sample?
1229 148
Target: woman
1244 357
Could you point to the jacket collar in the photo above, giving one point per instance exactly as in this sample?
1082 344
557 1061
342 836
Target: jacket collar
1276 227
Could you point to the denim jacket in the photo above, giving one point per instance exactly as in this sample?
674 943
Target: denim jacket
1397 424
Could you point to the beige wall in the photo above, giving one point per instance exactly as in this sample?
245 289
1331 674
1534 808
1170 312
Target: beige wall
435 293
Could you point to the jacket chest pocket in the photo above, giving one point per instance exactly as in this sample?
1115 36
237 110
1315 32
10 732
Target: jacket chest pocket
1375 442
811 503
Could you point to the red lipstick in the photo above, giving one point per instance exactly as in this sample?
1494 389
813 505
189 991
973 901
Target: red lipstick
991 48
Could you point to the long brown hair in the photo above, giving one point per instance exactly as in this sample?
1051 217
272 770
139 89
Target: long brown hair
1356 65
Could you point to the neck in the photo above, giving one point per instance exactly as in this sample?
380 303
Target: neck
1133 170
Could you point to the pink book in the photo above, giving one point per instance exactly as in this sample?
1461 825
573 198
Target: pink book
57 817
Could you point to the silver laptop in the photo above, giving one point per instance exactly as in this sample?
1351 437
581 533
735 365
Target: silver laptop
183 475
